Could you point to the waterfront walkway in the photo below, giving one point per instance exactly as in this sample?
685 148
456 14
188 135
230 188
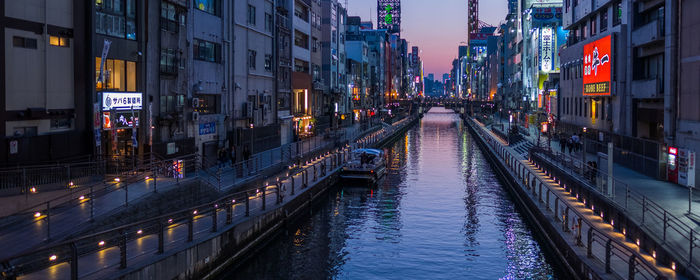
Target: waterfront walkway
671 197
585 230
43 223
105 261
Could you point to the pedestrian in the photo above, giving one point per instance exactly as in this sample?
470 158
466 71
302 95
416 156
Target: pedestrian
221 157
574 140
246 158
232 155
570 144
562 142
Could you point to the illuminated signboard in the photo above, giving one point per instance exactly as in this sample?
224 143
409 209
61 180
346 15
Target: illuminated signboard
389 15
546 49
121 101
597 68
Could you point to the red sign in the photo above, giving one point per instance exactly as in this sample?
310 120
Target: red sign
597 59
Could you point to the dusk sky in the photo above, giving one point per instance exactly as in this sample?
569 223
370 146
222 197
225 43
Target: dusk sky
436 26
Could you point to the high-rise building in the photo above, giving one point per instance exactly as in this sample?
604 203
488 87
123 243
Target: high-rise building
473 17
389 15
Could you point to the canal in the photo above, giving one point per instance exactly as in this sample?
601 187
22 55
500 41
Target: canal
439 213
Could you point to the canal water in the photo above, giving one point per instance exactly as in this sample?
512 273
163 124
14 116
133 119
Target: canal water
440 213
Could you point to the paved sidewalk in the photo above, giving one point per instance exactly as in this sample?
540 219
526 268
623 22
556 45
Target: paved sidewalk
103 263
25 231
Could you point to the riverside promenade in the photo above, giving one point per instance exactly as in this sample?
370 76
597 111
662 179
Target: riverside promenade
103 254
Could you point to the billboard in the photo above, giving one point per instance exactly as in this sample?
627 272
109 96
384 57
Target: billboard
546 49
389 15
597 67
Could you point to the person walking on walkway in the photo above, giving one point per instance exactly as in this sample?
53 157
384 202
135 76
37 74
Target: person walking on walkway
232 155
562 142
570 144
221 157
246 158
575 140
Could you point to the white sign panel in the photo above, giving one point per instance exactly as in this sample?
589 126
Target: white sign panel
546 53
14 147
121 101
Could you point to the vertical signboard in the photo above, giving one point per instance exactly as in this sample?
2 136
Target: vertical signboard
597 67
389 15
546 49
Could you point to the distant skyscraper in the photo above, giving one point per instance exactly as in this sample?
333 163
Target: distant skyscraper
389 15
473 24
431 77
462 51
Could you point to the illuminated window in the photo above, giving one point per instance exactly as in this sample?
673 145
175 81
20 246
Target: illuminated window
118 75
207 51
209 6
59 41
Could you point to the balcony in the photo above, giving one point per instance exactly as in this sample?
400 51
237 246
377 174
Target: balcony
647 89
649 33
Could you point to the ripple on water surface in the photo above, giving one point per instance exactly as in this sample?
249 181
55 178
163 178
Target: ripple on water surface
440 213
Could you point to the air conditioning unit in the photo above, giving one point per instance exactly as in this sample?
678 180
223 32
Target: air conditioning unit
195 102
195 116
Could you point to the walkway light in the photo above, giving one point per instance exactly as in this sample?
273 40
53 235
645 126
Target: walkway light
71 184
117 179
37 214
53 258
170 221
194 212
147 178
624 232
33 190
140 231
101 243
653 254
638 242
233 201
673 266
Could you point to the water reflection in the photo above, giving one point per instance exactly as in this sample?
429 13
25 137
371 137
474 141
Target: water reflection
439 213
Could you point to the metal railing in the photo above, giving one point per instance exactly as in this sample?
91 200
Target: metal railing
324 161
182 226
600 244
642 210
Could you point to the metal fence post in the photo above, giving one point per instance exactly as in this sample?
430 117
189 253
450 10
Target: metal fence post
122 250
644 207
264 193
608 251
190 228
48 220
665 224
229 214
214 220
92 203
161 237
247 204
632 265
73 261
589 249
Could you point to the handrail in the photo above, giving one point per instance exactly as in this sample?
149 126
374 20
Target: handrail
513 160
669 220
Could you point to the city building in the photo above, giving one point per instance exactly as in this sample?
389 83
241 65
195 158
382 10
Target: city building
46 112
302 102
254 101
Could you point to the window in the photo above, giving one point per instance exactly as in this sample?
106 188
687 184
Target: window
617 13
207 51
301 66
316 72
168 17
268 63
168 61
268 22
603 20
301 40
209 6
593 26
208 103
301 11
251 15
314 44
61 123
648 67
116 18
251 59
22 42
59 41
118 75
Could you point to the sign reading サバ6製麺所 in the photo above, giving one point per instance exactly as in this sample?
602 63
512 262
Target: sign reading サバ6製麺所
121 101
597 68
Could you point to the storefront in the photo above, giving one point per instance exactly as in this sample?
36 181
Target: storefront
304 126
120 123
